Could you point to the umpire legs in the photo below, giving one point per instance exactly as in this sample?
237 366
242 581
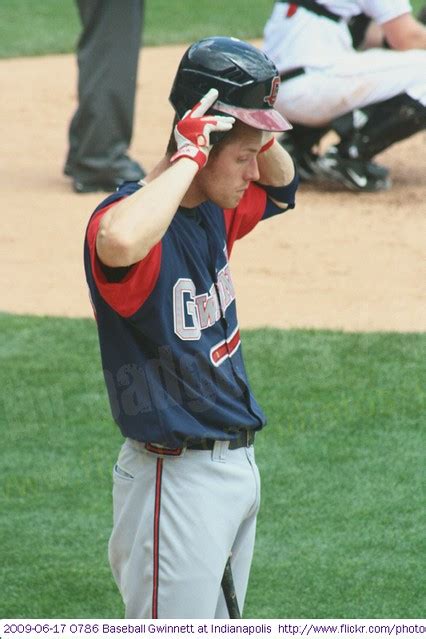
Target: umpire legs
107 55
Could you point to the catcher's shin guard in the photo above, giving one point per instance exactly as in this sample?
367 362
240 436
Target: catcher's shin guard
299 142
387 122
303 137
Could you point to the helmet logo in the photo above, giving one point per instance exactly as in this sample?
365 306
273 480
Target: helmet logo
275 85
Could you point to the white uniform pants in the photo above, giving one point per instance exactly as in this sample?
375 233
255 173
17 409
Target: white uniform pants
176 519
354 81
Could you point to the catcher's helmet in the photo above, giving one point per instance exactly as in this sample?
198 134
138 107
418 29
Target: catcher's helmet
247 81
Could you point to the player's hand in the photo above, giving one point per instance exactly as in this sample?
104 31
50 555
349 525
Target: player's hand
192 133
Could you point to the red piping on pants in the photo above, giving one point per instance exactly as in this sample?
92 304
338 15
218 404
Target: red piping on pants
156 538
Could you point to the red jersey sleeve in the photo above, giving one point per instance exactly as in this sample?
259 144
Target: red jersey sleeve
129 294
246 215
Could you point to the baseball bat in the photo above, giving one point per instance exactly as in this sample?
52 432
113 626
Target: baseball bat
229 592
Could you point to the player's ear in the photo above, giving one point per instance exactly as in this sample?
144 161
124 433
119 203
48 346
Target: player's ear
226 137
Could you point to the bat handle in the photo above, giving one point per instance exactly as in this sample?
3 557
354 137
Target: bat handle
229 592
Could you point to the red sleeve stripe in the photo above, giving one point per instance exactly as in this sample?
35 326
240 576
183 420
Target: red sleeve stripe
128 295
243 219
267 146
291 9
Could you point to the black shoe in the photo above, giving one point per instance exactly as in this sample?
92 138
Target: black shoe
68 170
303 160
130 171
93 187
354 174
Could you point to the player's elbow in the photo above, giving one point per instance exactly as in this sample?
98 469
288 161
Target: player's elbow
114 248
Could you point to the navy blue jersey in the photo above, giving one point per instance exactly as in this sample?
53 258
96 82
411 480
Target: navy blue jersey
168 329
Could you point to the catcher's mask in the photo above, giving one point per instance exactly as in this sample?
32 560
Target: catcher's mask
247 81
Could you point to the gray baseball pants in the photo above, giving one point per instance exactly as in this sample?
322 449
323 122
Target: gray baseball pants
176 520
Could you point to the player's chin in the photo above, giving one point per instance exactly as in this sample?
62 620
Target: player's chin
235 199
228 200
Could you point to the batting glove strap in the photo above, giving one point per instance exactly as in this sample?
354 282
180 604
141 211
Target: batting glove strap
193 153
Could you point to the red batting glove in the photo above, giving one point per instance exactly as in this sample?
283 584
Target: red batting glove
192 133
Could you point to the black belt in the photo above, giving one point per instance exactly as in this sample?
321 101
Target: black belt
244 440
293 73
311 5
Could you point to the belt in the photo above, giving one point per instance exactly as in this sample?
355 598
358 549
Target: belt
293 73
244 440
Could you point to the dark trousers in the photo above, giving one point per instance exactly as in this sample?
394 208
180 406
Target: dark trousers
107 54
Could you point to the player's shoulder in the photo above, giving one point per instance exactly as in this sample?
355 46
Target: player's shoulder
124 190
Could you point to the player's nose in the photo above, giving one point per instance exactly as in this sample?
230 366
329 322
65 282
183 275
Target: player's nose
252 172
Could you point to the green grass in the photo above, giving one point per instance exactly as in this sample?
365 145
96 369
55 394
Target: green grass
342 462
193 19
342 521
38 27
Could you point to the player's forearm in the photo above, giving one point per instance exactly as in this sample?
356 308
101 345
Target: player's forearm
276 167
405 33
132 227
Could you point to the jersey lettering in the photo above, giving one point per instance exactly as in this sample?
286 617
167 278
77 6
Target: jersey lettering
186 323
226 287
194 313
208 308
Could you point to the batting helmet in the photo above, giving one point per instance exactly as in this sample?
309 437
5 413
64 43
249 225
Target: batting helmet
247 81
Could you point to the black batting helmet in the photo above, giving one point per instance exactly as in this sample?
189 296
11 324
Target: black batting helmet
247 81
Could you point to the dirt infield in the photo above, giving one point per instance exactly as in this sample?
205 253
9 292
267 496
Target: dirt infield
340 260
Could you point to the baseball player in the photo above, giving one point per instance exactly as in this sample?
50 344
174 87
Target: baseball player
323 78
186 486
